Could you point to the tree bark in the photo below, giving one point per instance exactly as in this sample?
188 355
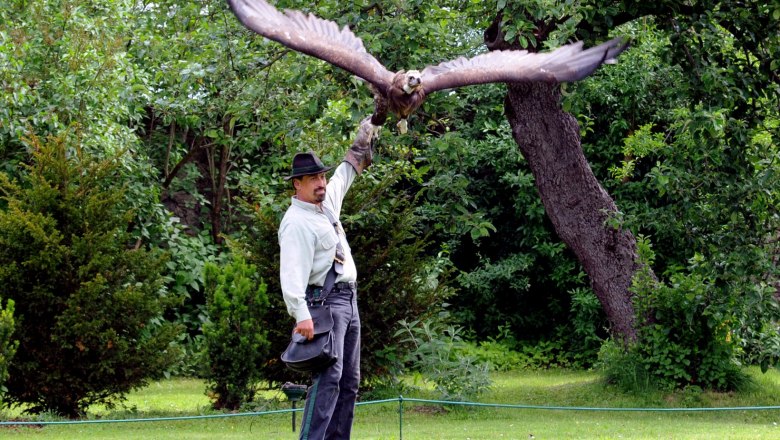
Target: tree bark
574 200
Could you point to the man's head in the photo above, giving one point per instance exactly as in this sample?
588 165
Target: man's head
308 176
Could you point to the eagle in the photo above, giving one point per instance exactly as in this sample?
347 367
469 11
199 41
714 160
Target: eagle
404 91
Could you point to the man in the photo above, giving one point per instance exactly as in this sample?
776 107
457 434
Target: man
309 244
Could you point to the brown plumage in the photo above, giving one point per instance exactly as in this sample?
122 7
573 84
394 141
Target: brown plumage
403 92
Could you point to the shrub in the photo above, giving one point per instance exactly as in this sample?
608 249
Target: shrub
687 342
438 354
235 335
89 306
686 334
588 327
7 345
623 368
497 356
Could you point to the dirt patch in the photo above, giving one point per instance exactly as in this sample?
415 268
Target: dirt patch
428 409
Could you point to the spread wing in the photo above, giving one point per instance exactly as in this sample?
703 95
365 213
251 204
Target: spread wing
565 64
313 36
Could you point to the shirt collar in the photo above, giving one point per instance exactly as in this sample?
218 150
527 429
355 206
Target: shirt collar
306 205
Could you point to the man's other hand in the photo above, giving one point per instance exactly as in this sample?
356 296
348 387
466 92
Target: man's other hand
305 328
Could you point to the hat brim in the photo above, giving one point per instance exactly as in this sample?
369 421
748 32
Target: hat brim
307 172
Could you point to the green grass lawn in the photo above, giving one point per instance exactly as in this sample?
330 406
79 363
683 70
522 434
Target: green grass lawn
185 397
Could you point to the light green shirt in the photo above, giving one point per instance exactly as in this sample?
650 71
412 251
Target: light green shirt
308 244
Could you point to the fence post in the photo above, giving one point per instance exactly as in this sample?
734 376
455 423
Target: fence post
400 417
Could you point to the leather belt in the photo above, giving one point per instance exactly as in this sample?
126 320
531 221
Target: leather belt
344 285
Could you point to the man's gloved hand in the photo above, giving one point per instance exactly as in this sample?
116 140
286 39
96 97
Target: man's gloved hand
361 152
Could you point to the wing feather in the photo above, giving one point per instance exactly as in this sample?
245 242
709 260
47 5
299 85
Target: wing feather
565 64
313 36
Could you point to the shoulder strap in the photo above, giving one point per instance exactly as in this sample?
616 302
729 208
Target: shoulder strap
338 261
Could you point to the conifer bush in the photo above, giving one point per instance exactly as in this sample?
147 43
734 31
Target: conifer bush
236 338
89 306
7 343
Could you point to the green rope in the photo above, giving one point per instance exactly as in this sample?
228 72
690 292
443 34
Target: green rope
400 400
586 408
156 419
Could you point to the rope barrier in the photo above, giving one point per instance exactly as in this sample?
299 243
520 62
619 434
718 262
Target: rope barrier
585 408
155 419
400 400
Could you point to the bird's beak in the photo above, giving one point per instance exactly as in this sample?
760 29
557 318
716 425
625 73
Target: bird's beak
414 81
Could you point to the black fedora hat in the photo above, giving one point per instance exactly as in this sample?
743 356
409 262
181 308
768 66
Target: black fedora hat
304 164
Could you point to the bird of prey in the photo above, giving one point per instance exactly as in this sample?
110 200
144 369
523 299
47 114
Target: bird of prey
404 91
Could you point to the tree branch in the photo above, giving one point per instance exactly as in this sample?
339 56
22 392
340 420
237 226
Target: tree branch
190 154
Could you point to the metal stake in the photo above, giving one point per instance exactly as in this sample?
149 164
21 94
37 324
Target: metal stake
294 393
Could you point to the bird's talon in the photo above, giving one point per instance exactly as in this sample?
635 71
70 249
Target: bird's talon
403 126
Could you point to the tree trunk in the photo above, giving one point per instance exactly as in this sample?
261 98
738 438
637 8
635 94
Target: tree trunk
575 202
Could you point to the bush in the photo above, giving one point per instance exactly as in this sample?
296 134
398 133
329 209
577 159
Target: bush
623 368
7 346
236 338
438 354
588 327
686 335
687 342
497 355
89 306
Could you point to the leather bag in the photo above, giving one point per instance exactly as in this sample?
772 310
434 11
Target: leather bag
305 356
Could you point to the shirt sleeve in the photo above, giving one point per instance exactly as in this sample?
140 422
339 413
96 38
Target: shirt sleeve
338 185
297 255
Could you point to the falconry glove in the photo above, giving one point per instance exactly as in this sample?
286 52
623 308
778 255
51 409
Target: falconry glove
361 152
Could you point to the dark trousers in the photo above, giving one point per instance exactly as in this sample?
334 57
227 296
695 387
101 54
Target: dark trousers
330 402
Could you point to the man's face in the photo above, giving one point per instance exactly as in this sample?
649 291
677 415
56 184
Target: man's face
311 188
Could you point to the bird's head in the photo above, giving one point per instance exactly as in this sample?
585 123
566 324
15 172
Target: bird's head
412 81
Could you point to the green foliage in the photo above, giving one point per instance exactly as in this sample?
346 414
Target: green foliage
689 151
89 307
716 237
521 22
640 144
497 356
67 70
185 274
437 353
493 286
622 110
756 328
517 272
8 346
235 337
588 328
687 337
624 368
504 353
686 343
